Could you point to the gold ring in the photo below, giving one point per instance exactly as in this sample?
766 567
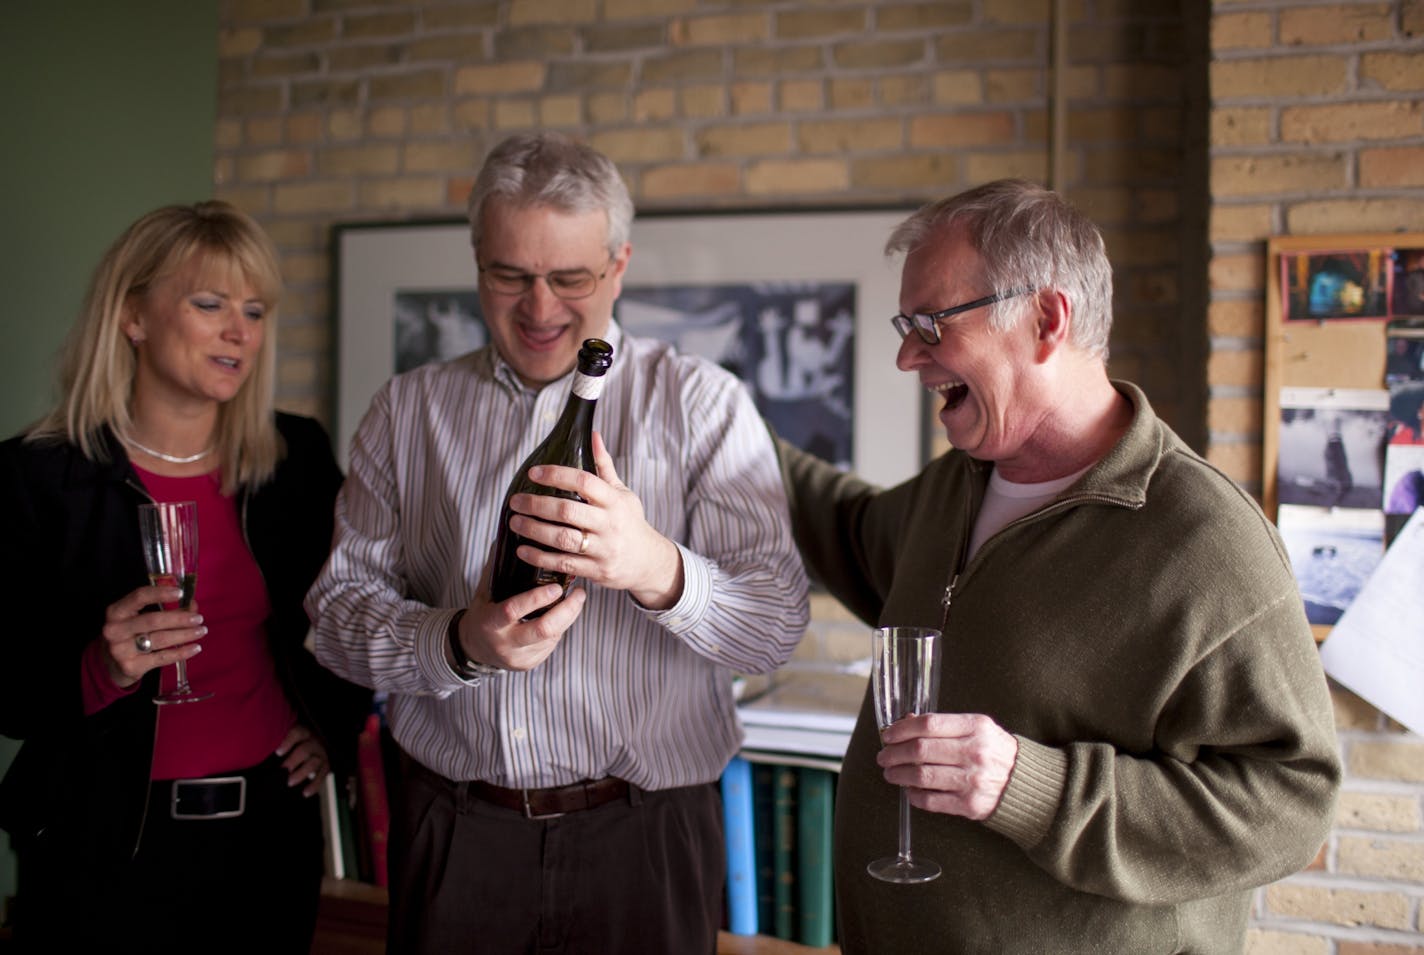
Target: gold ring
583 544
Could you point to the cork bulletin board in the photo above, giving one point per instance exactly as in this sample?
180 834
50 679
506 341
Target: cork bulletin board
1335 306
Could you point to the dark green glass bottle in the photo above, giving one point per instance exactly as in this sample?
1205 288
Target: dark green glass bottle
570 444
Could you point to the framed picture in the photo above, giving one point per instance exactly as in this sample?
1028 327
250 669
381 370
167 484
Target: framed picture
797 304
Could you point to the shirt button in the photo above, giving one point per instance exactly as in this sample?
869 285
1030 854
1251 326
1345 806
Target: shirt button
676 621
518 733
549 417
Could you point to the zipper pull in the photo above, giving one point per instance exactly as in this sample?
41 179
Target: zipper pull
945 601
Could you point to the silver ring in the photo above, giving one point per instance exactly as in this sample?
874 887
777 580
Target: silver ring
583 544
144 644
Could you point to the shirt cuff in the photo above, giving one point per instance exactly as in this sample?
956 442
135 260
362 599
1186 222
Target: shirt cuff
696 594
96 686
1030 800
430 651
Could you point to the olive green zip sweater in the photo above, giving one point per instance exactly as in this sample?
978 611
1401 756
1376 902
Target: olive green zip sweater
1144 640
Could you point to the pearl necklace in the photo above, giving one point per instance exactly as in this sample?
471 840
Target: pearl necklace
170 458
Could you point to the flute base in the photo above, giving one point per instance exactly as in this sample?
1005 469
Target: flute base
172 699
904 871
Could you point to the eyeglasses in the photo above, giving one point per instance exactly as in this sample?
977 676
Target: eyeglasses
567 284
927 325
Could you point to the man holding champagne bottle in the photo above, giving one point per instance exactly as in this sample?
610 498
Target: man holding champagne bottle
562 751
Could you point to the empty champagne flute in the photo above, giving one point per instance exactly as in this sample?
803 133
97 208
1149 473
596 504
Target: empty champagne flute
904 681
170 552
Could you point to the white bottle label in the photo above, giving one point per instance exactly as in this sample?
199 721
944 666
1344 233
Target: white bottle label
588 387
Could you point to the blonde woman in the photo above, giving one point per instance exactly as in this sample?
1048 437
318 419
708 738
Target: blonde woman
175 826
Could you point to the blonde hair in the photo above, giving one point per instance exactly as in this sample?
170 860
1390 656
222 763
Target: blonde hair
96 373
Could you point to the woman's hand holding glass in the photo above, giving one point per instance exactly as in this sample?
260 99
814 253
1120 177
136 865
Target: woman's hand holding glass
171 635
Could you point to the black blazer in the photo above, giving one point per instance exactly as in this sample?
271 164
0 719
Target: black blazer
71 547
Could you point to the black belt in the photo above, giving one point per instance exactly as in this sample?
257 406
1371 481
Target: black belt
555 800
219 797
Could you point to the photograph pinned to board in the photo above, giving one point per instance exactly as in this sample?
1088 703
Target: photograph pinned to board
1337 284
1333 552
1408 282
1332 444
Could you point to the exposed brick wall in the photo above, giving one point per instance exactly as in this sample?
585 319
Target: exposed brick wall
1317 126
340 110
345 110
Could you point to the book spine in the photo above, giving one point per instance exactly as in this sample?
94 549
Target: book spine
335 850
763 780
813 860
784 831
375 810
741 853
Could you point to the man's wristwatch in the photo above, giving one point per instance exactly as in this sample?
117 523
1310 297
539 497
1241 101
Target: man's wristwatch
465 668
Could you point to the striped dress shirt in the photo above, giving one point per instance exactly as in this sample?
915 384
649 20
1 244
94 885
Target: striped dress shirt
629 692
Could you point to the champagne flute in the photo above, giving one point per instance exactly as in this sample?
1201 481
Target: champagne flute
170 552
904 681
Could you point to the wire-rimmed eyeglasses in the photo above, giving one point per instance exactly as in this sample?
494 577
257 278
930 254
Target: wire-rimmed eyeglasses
927 324
567 284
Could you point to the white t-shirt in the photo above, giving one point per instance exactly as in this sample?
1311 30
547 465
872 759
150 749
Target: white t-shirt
1006 501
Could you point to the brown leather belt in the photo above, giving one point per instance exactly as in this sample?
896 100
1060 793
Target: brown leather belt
554 801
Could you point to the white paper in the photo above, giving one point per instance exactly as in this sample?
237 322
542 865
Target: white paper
1377 647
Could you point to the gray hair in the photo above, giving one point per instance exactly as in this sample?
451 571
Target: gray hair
544 168
1026 236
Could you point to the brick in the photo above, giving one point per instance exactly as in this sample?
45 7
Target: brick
640 145
1401 166
934 173
424 84
303 127
1159 205
814 24
1388 910
325 94
512 114
702 102
1240 461
273 165
1019 11
1338 24
457 191
249 100
382 25
306 31
1381 812
913 90
403 193
254 200
439 157
962 129
1238 367
1355 215
459 16
1242 126
473 114
607 108
851 93
1238 272
619 9
362 160
1107 124
751 98
1285 77
264 131
1411 17
1240 223
1400 72
359 59
522 12
760 139
238 42
561 111
1023 164
310 405
801 96
534 43
1260 942
1345 122
522 77
295 371
1395 760
1142 81
1153 287
771 177
251 11
682 66
1235 318
1382 858
617 37
1242 31
849 135
658 105
1240 416
1377 948
1163 124
1009 86
296 233
1352 712
957 88
923 16
454 47
295 198
387 122
878 54
1277 174
777 62
727 29
224 170
296 268
688 180
988 44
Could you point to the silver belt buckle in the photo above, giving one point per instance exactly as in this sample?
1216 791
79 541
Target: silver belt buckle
241 781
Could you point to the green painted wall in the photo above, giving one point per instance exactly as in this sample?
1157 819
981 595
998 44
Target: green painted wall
107 109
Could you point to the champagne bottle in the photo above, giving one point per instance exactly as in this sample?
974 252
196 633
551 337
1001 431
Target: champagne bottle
570 444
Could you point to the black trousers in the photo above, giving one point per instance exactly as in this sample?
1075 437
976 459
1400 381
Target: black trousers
642 876
250 883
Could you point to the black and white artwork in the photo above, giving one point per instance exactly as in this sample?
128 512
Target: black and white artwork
435 325
1333 554
1332 447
